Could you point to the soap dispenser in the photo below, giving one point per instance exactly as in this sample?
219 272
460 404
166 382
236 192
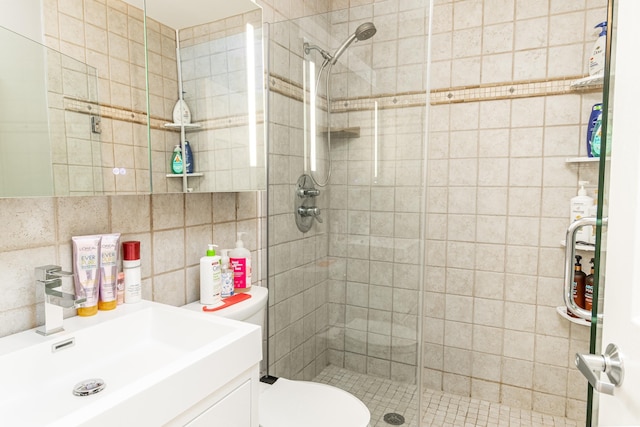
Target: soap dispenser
580 206
578 287
210 280
240 258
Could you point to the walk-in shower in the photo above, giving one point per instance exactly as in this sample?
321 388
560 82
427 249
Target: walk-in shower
363 32
346 293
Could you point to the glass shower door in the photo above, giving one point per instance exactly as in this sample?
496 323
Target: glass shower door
346 294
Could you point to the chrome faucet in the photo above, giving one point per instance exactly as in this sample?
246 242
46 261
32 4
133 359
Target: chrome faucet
49 283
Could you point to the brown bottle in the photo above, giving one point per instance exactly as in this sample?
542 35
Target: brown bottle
588 288
579 278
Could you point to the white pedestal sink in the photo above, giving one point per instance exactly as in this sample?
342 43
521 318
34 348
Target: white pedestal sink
161 365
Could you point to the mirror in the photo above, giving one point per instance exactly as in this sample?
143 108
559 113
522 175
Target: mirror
54 105
211 53
49 100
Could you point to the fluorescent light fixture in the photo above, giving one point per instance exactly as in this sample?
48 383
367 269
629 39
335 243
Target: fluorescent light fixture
312 116
251 94
375 139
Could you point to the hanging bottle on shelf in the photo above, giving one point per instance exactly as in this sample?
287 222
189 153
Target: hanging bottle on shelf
181 112
188 158
177 165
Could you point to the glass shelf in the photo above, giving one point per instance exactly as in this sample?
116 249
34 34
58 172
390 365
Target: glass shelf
180 125
579 247
179 175
589 82
582 159
562 311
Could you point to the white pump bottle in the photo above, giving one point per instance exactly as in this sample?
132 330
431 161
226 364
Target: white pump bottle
240 258
210 279
580 206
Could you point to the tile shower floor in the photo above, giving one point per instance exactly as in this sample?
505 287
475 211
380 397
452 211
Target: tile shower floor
440 409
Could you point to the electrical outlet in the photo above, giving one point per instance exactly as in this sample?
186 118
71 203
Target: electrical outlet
95 124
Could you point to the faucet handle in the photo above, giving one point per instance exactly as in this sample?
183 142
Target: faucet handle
48 272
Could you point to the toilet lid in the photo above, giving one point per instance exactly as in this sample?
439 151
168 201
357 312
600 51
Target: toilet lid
289 403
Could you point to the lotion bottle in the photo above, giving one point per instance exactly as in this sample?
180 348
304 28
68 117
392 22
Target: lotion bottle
210 280
132 273
596 60
580 206
240 258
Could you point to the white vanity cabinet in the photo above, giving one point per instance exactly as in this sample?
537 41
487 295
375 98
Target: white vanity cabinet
234 405
230 411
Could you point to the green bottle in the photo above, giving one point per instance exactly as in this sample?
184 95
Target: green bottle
176 160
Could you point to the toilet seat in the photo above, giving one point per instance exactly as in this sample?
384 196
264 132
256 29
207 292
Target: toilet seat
289 403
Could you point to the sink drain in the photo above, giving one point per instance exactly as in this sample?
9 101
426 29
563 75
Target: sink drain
393 419
89 387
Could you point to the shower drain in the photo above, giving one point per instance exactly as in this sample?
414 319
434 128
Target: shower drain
393 419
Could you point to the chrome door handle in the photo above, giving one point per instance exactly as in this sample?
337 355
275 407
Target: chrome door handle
592 365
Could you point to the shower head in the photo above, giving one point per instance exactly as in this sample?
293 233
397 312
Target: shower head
363 32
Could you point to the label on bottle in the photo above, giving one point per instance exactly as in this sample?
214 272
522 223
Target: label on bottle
241 272
132 285
227 283
588 296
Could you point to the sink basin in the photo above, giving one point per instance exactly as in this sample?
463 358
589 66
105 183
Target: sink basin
156 361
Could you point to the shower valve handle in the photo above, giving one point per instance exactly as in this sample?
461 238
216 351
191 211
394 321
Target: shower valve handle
308 192
312 211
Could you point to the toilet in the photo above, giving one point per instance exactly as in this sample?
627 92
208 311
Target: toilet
287 403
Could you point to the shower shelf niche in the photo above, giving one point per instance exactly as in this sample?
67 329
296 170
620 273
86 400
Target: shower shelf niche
353 132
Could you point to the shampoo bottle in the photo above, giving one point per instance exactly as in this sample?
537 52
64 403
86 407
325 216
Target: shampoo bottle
580 205
579 278
210 283
188 157
226 275
240 258
588 288
596 139
596 60
595 119
177 165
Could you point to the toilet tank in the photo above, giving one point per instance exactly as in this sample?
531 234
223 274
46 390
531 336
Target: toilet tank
250 310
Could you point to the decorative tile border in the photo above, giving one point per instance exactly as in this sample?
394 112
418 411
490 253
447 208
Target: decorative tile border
478 93
138 117
295 91
560 86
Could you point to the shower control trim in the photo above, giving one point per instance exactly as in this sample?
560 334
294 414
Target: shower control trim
305 208
308 192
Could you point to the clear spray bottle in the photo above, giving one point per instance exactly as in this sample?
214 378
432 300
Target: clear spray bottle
226 275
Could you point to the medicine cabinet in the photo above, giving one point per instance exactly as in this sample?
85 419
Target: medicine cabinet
92 113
